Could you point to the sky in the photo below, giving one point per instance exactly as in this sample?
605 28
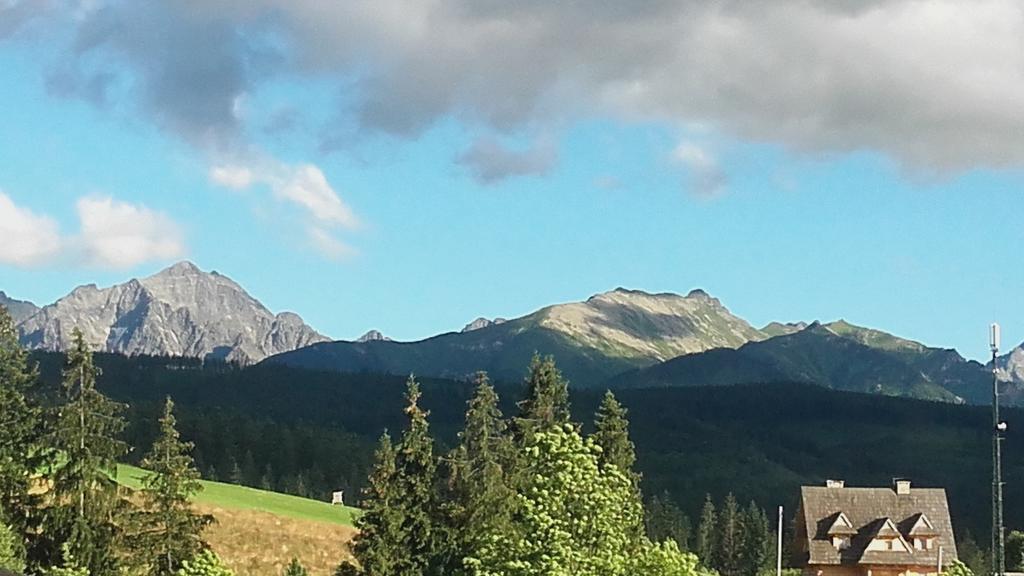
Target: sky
408 166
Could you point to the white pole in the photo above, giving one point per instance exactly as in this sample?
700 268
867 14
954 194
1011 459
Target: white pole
778 559
940 560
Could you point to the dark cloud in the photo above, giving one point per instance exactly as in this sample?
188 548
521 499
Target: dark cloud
934 85
491 162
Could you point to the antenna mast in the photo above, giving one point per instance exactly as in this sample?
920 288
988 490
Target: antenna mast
998 427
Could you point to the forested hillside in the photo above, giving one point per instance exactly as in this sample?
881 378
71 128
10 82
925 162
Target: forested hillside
308 432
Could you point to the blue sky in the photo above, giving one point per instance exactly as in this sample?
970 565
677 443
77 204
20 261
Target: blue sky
364 185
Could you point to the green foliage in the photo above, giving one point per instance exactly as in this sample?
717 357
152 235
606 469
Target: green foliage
20 430
664 520
1015 551
571 516
481 493
612 435
957 568
665 559
378 542
85 510
295 568
756 547
729 554
973 556
707 533
69 565
546 404
206 563
12 555
172 531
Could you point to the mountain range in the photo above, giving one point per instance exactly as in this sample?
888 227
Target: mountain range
181 311
618 339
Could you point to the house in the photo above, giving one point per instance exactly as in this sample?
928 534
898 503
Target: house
896 531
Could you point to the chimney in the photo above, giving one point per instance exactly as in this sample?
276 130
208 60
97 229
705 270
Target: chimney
835 483
901 486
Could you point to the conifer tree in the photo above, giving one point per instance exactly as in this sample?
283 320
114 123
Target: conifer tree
206 563
12 554
173 530
86 511
756 542
414 494
21 424
730 538
612 435
707 533
664 520
377 545
480 491
547 398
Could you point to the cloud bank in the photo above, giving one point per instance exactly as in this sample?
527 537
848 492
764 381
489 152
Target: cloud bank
935 85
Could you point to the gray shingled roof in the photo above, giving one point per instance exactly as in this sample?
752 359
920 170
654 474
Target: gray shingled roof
867 509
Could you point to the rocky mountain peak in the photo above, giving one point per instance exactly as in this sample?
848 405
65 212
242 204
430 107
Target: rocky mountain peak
180 311
373 336
482 323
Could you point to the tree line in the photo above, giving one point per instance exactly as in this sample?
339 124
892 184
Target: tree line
525 495
61 511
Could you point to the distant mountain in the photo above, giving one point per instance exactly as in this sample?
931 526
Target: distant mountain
774 329
592 340
18 309
181 311
373 336
482 323
839 355
1011 366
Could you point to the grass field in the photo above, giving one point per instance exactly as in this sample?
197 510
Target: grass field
258 532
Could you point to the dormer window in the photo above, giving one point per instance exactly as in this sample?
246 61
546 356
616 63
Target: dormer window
841 531
922 533
887 538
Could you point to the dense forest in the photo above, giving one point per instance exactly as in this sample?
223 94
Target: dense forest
309 432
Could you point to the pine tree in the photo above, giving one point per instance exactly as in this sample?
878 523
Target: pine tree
377 545
666 521
415 499
12 554
69 566
756 542
21 431
612 435
730 538
707 533
206 563
295 568
480 496
547 398
173 530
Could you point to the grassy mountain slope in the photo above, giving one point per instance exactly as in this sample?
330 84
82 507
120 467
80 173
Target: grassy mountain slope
837 355
605 335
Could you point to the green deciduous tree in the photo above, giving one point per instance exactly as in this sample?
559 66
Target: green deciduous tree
12 554
665 559
957 568
85 509
571 517
69 566
1015 551
172 530
21 428
206 563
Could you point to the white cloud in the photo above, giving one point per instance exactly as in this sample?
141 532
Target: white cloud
302 185
935 85
490 161
121 235
233 177
706 176
26 238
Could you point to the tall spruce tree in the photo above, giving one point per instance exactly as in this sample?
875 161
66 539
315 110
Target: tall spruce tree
481 495
664 520
85 510
707 534
756 542
21 429
730 538
546 404
172 530
377 546
612 435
